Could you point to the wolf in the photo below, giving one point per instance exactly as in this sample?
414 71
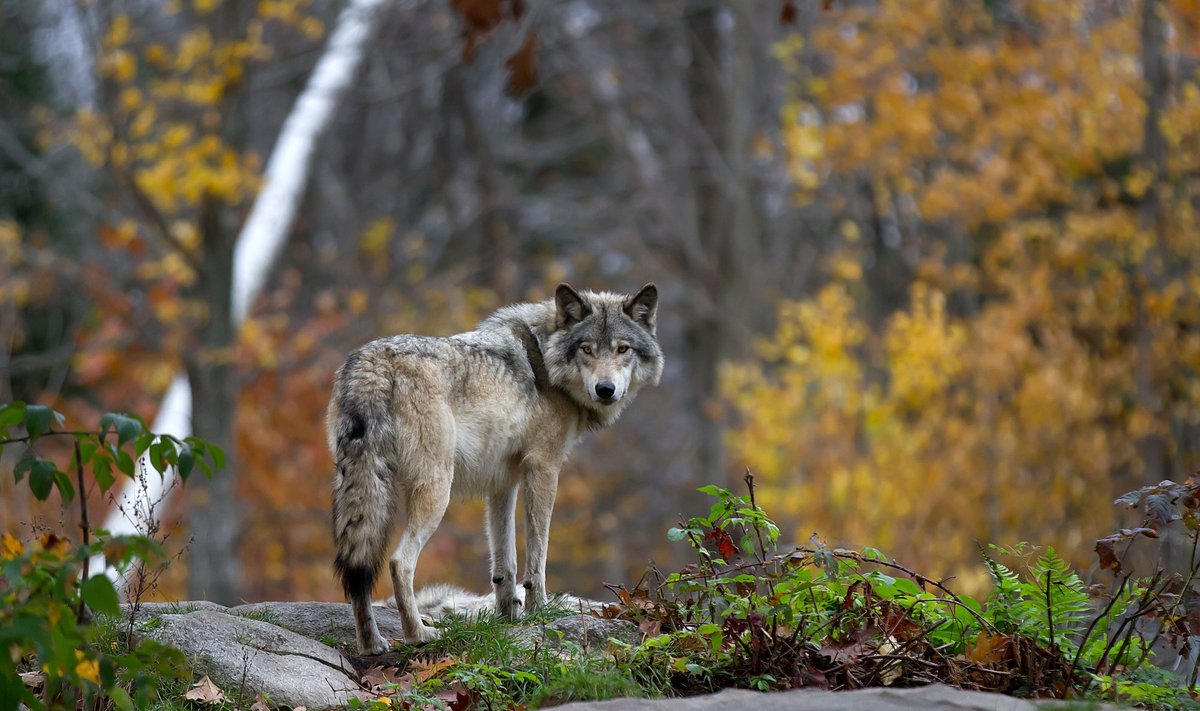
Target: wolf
413 420
442 600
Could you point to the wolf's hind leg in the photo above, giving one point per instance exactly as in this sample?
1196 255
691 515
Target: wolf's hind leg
427 501
501 511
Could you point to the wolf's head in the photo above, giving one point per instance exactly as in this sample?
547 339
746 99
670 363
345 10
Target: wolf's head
603 348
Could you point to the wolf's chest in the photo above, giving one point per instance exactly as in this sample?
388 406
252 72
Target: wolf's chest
485 444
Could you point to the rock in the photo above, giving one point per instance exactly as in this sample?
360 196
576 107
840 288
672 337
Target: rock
928 698
330 623
248 656
150 610
589 633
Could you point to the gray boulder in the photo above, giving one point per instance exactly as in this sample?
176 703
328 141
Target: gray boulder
929 698
590 634
247 656
330 623
149 610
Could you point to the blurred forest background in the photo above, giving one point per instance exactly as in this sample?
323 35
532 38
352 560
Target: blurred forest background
928 269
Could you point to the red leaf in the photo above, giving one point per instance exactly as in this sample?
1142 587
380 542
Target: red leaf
522 67
720 538
1108 557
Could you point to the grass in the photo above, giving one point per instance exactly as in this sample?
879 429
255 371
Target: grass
500 671
260 615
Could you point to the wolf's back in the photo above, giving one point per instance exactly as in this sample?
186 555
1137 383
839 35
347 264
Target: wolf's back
362 437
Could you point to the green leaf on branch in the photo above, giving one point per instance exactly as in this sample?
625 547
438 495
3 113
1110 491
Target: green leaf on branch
41 478
39 419
128 428
12 414
102 470
99 594
187 461
65 488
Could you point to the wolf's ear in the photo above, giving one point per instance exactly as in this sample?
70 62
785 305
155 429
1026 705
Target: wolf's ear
570 306
643 306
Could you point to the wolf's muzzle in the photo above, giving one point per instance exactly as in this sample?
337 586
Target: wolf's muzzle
605 390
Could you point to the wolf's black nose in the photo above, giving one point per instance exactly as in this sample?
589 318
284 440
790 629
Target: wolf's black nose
605 390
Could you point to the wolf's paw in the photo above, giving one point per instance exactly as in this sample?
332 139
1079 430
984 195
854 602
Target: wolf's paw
377 646
424 633
535 596
508 607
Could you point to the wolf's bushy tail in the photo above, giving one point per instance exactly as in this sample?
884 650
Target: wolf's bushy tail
364 439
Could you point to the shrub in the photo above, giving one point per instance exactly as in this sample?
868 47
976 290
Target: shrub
57 657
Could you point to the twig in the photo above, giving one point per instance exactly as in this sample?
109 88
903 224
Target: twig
52 433
762 548
83 524
1092 626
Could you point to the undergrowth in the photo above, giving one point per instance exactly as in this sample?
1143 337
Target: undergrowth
751 614
63 647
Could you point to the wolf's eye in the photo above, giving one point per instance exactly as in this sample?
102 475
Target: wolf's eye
622 349
586 349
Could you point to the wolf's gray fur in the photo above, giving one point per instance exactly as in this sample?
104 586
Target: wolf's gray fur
415 419
444 600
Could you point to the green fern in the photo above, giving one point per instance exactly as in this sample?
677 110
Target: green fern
1061 603
1005 604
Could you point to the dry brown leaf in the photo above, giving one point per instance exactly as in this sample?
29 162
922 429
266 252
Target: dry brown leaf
651 628
33 679
260 704
206 692
988 649
425 670
378 676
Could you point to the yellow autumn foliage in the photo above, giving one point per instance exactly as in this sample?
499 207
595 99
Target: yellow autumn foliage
1010 395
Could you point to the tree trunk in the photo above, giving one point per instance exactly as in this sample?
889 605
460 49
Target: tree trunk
213 514
1149 277
721 86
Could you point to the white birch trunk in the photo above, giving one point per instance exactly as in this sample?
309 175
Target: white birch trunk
263 235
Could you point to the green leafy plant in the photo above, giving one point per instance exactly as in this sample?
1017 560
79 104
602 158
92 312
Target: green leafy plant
57 656
748 614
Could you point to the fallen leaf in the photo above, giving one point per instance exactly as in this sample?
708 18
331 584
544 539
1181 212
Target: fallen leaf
378 676
891 670
33 679
425 670
456 697
206 692
260 704
651 628
988 649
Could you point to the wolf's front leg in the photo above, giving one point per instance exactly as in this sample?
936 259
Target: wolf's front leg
541 485
502 539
